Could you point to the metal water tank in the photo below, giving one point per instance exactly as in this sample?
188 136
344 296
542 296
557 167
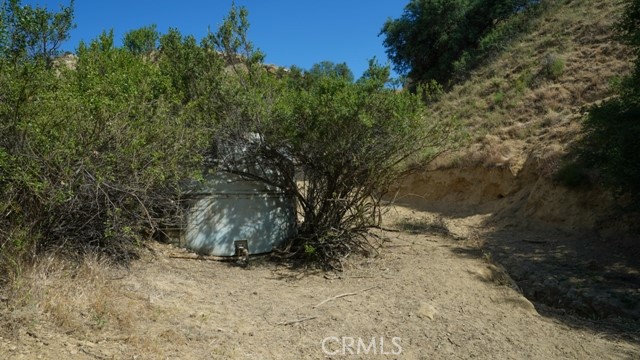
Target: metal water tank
229 211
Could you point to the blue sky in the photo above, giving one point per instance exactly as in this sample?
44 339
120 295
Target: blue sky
288 31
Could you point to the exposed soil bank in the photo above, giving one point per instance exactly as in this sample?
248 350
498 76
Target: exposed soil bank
564 248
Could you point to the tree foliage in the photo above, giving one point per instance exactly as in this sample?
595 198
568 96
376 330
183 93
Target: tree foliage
331 69
93 156
347 140
33 32
142 41
440 39
90 156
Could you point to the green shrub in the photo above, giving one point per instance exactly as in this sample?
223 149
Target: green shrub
91 157
498 98
611 145
348 140
524 81
431 91
553 67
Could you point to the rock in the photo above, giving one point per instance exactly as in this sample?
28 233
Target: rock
426 311
525 304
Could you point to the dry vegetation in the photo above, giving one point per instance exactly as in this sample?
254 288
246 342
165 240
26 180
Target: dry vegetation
78 298
530 99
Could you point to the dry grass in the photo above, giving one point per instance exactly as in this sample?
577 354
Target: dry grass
549 159
540 85
79 298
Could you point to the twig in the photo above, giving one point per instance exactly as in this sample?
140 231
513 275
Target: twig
296 321
384 228
344 295
97 356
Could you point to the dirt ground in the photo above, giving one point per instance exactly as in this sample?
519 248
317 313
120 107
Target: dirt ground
431 293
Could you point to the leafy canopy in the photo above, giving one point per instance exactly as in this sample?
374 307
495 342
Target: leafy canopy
142 41
33 32
331 69
349 141
93 155
435 39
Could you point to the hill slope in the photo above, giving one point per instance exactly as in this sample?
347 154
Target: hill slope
565 247
523 110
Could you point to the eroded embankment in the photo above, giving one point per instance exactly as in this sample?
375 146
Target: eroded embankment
565 248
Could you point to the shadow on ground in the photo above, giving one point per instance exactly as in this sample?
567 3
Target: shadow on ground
582 280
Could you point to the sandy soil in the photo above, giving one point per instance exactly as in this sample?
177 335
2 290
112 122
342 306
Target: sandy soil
430 294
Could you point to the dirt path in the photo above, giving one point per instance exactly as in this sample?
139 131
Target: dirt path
427 296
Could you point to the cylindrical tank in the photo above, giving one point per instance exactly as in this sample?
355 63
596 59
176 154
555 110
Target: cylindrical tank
229 211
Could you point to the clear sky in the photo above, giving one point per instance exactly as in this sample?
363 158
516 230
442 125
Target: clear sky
290 32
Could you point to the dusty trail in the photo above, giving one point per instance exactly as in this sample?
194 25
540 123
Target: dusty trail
433 292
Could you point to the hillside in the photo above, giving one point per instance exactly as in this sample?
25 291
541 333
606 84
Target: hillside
523 112
568 247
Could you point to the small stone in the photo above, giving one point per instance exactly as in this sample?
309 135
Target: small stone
426 311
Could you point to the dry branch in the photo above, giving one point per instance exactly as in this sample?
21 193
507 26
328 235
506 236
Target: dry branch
343 295
297 320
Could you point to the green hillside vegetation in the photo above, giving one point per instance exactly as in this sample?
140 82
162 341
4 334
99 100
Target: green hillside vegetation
441 41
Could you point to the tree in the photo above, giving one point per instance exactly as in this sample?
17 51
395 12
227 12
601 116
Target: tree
376 74
33 32
329 68
92 158
433 38
143 40
348 142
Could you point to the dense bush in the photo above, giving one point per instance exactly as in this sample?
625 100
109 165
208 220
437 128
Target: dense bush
348 141
90 153
93 150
